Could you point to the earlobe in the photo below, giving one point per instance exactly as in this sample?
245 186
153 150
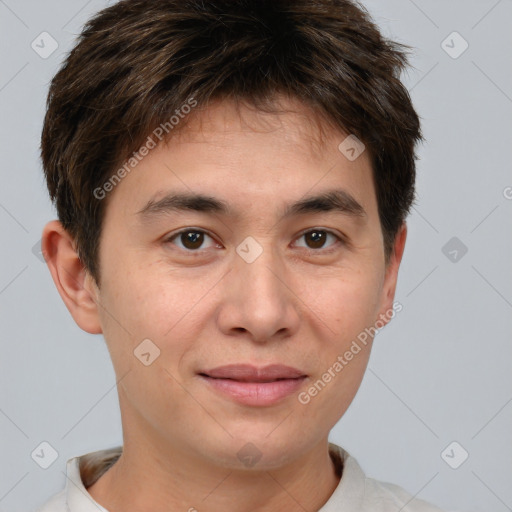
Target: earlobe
71 278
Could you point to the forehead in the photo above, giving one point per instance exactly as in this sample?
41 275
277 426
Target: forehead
287 118
242 155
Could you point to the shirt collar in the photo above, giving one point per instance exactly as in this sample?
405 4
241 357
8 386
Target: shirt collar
349 494
77 497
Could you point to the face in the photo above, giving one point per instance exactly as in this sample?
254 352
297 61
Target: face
243 278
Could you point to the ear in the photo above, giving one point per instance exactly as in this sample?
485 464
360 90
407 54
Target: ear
75 285
390 279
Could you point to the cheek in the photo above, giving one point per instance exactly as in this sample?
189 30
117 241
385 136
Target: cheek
348 307
348 303
331 393
148 298
139 308
133 309
154 303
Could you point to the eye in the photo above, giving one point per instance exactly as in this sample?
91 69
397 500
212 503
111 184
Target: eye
190 238
316 238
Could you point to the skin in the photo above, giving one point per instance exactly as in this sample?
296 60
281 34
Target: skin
298 304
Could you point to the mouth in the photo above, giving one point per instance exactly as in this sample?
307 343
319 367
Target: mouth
261 381
254 386
250 373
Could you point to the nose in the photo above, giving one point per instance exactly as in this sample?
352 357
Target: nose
259 300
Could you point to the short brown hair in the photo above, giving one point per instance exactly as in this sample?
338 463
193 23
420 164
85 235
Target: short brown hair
138 61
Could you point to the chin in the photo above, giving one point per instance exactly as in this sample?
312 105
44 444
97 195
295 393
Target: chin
256 450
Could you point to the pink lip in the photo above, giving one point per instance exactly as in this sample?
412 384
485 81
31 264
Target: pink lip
250 385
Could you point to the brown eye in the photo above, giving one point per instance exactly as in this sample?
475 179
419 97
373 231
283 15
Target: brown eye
316 239
190 239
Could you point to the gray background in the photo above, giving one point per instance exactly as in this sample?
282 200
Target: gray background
440 372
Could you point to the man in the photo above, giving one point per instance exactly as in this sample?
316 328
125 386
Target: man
232 181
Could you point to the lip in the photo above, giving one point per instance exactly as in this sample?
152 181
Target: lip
255 386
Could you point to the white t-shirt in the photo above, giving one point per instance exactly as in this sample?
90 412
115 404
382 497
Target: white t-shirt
354 493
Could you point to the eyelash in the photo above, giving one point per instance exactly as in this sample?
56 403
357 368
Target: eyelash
339 239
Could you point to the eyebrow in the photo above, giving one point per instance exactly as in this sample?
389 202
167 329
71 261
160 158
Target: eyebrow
336 200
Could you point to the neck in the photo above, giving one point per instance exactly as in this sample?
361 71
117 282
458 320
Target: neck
145 477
